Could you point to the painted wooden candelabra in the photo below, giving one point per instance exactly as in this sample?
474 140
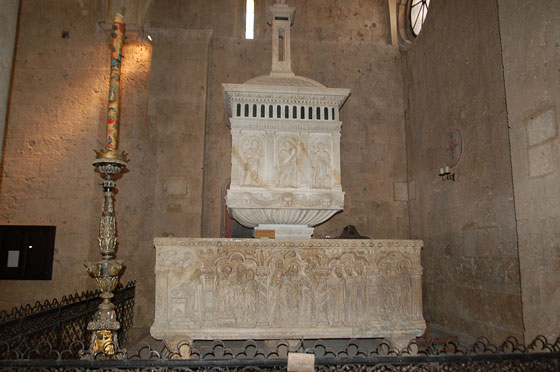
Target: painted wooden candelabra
110 161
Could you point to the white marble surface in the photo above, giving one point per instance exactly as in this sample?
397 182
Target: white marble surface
275 289
285 129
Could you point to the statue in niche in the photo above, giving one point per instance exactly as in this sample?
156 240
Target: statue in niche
252 155
321 164
287 163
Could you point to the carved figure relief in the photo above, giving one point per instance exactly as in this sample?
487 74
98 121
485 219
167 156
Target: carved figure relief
288 162
252 155
395 272
320 165
290 287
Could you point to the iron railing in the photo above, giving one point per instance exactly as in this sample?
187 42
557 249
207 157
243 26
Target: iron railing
353 355
62 322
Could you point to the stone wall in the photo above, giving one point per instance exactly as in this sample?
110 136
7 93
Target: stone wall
8 26
454 80
529 32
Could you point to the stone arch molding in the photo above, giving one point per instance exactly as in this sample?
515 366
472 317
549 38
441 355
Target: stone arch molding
399 23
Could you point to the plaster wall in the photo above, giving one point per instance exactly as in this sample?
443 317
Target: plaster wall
531 56
454 80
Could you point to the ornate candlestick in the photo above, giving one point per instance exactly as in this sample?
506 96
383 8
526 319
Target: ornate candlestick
110 162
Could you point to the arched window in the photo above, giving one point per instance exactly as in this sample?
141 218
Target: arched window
417 12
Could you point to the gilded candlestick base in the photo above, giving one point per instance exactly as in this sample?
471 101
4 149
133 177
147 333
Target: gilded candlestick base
105 326
111 154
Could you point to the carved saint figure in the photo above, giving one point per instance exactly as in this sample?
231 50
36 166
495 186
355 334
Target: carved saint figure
252 155
275 293
249 299
223 292
287 164
337 302
321 166
298 295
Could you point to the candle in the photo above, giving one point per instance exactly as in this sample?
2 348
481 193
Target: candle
112 142
440 171
446 169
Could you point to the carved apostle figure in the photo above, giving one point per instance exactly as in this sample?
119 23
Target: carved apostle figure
223 292
298 295
252 155
249 300
275 293
287 164
321 166
338 297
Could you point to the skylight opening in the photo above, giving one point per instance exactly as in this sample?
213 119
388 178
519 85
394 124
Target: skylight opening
250 20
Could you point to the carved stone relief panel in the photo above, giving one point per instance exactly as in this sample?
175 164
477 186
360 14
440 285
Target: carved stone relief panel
250 156
289 163
321 161
284 289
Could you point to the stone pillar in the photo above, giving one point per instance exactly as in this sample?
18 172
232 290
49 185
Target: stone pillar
177 114
8 29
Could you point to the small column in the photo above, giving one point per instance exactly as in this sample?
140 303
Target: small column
9 15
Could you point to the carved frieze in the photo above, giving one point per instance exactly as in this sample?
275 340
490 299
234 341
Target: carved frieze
230 288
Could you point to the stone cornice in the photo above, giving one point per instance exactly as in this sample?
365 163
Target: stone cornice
308 96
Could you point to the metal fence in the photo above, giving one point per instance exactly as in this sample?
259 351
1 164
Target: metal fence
62 322
353 355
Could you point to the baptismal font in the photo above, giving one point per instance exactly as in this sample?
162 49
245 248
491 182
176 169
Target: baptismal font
285 130
285 179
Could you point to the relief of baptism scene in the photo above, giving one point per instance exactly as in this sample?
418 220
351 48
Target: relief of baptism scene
376 171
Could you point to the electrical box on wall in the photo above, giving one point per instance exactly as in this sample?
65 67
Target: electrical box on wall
26 252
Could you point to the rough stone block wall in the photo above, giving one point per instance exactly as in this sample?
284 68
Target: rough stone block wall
454 80
529 33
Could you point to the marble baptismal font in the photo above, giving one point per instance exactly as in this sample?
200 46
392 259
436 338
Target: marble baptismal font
285 179
285 133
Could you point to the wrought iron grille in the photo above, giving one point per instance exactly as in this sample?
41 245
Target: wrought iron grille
61 322
540 355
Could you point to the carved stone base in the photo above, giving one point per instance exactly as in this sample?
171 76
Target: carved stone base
288 231
288 289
